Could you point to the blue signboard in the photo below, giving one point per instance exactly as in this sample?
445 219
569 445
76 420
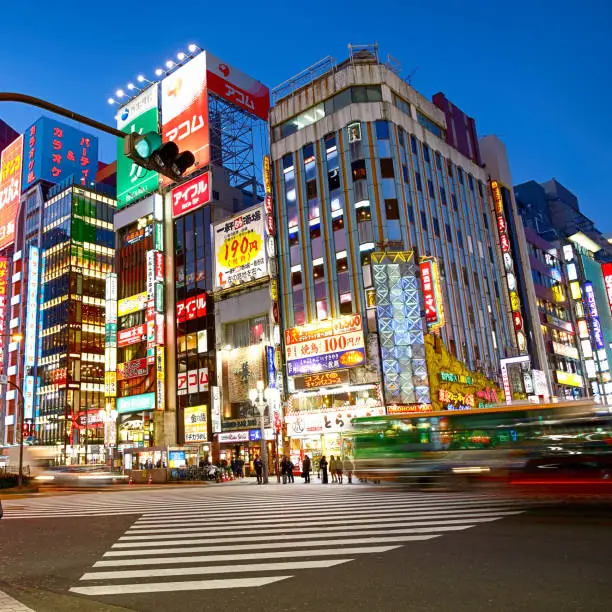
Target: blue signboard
53 151
271 367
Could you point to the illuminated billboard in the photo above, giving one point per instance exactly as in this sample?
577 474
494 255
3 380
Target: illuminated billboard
432 293
196 424
191 195
400 328
53 151
237 87
10 189
606 269
240 255
4 272
327 345
140 115
32 306
184 110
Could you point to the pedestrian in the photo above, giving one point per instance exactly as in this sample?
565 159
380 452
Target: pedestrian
349 468
306 465
258 465
339 468
290 468
332 468
323 468
240 466
284 469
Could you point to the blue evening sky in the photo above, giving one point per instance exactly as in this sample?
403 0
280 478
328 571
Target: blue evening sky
536 72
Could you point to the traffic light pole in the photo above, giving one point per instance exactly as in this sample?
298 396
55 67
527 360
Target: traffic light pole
20 425
60 110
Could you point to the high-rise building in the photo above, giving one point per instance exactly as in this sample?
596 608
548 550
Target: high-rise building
77 252
380 221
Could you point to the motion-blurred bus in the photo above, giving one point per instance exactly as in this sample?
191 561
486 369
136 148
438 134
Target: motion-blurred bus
451 448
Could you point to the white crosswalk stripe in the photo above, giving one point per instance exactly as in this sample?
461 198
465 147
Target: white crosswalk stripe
186 542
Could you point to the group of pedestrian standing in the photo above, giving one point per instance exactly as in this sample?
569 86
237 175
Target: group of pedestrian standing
337 467
286 466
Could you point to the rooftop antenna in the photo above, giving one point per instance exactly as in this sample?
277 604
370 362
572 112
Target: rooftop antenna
410 75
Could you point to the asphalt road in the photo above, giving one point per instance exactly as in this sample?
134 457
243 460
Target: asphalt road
303 548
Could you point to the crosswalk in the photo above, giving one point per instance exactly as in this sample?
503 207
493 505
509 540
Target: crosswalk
194 543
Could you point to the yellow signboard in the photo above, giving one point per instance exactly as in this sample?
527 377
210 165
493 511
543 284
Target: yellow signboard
110 384
567 378
196 429
131 304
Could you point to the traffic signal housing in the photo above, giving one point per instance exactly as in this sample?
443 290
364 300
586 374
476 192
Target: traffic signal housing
148 150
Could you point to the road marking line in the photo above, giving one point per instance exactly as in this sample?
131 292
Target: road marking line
306 544
245 556
313 526
340 532
163 587
283 566
361 510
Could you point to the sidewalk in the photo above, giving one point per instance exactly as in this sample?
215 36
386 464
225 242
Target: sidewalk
8 604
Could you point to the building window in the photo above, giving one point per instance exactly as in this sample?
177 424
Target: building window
296 278
359 171
386 168
411 213
419 184
436 225
449 234
382 130
430 187
430 125
392 209
424 220
426 153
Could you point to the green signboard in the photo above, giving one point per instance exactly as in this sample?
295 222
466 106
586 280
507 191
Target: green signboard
136 403
139 115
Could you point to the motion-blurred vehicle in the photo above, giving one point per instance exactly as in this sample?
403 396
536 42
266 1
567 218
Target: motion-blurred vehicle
565 475
78 476
469 447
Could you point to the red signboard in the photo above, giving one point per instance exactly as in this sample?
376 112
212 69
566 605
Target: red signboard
184 110
237 88
201 305
132 335
191 311
191 195
132 369
10 189
606 270
4 271
159 266
429 293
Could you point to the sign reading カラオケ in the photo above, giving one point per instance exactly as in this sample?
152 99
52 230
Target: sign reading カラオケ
240 255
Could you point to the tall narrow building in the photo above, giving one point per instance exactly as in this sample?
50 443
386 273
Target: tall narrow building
369 191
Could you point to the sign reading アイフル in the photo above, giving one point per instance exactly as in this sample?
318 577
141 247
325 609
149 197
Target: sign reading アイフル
240 256
184 110
191 195
326 345
140 115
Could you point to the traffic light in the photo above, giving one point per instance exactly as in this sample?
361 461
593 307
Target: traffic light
148 151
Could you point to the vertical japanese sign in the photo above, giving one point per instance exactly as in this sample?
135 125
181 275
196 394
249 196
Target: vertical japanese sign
4 271
606 270
140 115
32 306
10 190
591 307
184 110
160 361
54 151
110 353
432 293
511 281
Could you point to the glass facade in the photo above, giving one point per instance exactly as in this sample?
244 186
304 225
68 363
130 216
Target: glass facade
78 245
389 185
195 332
